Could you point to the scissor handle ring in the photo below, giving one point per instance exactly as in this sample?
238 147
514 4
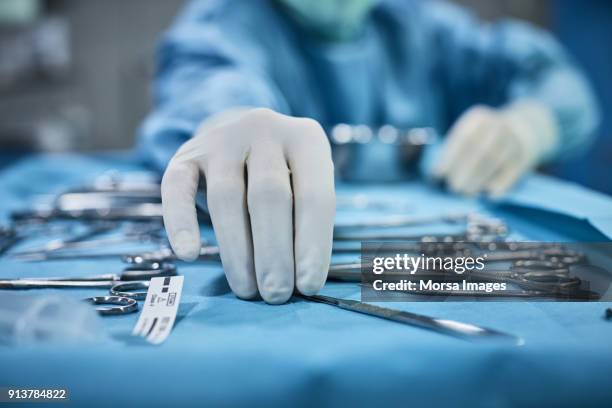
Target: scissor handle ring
121 305
133 290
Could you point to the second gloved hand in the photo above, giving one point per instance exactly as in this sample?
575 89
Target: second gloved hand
270 193
488 150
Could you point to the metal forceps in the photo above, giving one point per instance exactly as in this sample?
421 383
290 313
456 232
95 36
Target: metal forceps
450 327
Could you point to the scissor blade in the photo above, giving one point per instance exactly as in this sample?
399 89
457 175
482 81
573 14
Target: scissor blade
43 284
450 327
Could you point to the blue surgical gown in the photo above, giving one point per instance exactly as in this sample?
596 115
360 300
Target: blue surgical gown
414 63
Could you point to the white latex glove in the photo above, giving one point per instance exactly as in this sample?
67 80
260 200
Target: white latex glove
270 192
488 150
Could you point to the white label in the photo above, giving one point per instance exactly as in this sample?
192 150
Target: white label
160 308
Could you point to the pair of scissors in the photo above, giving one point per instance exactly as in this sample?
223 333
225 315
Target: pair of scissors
125 288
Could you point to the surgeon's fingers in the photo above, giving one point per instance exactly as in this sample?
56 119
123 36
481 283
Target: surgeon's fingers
492 152
481 155
270 205
461 139
500 184
312 173
501 158
178 189
226 200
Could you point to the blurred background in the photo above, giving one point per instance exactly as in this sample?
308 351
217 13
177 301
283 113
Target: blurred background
75 74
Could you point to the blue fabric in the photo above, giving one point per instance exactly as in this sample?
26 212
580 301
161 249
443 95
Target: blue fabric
415 63
224 351
571 199
580 26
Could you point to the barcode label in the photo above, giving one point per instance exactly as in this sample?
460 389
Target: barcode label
160 308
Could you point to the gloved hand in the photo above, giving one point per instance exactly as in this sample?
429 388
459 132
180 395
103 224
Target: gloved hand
488 150
270 193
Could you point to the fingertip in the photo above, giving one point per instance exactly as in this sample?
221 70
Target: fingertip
276 296
310 278
186 245
245 291
308 286
275 286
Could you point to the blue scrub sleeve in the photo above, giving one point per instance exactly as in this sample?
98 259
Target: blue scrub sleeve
499 63
207 63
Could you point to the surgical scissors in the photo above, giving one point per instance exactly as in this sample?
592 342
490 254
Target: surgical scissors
125 288
140 272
